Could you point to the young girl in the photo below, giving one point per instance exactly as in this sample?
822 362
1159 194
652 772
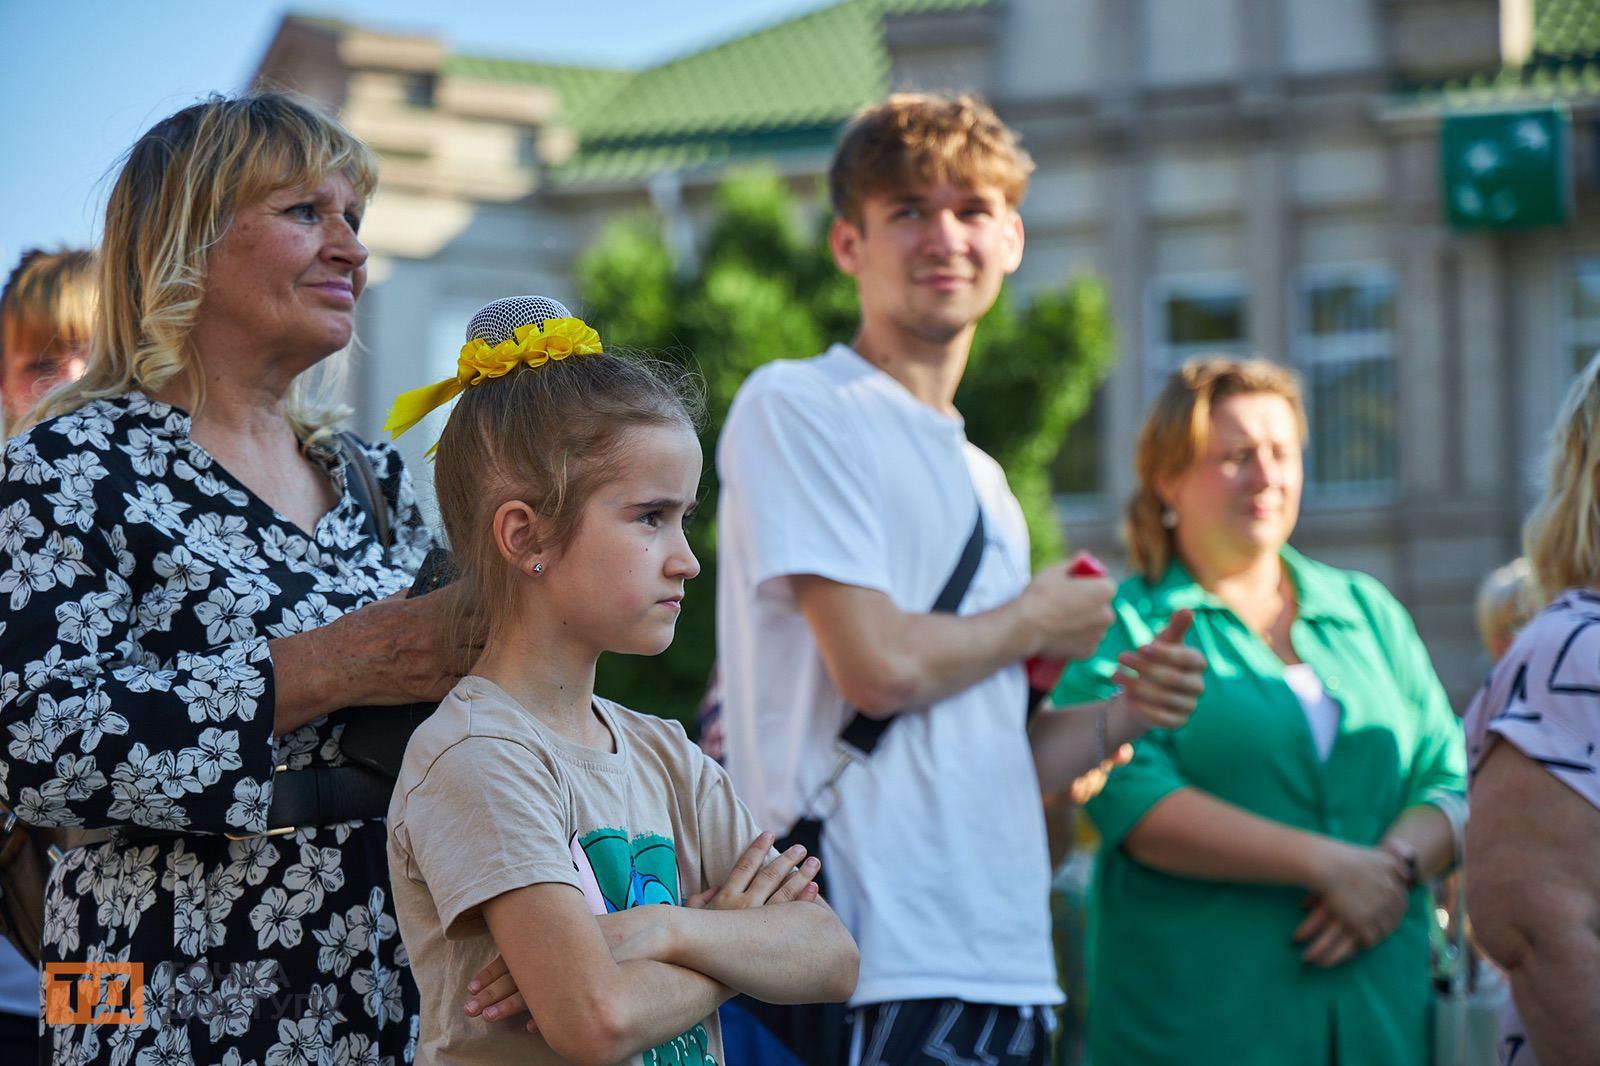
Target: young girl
533 820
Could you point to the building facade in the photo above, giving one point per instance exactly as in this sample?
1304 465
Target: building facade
1248 176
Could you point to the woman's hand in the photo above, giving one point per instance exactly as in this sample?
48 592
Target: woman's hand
1162 681
1327 940
757 881
393 651
1361 890
408 650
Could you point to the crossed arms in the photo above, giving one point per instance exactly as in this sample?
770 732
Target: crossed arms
603 988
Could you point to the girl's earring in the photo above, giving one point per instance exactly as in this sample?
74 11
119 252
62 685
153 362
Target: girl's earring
537 568
1169 518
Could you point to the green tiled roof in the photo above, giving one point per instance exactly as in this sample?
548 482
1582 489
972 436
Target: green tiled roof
580 88
1564 28
1565 65
785 87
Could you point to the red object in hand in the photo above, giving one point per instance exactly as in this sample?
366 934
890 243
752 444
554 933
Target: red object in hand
1044 673
1086 565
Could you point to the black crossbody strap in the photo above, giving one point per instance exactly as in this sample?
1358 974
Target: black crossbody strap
862 734
362 481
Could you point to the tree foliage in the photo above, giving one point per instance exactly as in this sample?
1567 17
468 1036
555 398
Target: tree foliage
765 288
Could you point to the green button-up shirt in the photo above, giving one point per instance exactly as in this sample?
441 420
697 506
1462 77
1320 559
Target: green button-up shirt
1196 972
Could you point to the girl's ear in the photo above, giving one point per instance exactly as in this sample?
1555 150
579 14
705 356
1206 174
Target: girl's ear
516 528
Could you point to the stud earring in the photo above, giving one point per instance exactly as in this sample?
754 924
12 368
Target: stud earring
538 568
1169 518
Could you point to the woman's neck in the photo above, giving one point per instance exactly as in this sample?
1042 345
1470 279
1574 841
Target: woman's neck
1259 591
554 682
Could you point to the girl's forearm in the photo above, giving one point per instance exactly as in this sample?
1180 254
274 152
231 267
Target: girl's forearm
665 1001
795 952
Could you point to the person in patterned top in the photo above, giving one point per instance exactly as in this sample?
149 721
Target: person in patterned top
1533 838
192 589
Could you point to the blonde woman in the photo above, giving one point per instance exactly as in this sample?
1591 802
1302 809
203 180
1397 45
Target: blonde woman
191 586
46 313
1533 841
1259 895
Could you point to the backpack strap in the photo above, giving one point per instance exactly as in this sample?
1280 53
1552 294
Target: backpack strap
863 734
362 481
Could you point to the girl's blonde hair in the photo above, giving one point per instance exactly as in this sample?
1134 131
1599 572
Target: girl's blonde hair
178 189
1174 435
548 435
1562 536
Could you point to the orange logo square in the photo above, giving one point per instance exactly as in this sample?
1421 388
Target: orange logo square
100 993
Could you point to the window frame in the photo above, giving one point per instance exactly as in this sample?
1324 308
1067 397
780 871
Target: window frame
1308 351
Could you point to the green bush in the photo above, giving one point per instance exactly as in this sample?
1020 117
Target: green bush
765 289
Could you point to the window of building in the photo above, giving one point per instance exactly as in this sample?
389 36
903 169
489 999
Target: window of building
1075 474
1344 347
419 89
1189 318
1582 313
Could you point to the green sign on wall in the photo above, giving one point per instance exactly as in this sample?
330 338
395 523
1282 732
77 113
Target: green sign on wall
1506 170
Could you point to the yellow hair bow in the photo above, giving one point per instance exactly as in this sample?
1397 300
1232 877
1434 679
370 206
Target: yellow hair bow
528 346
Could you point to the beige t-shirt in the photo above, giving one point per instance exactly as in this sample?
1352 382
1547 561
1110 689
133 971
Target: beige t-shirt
489 800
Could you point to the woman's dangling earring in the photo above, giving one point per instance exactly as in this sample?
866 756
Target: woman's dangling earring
1169 518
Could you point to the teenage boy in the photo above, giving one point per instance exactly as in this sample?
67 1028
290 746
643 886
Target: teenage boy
849 490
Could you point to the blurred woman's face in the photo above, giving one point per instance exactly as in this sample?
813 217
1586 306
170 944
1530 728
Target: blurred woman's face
285 277
1240 498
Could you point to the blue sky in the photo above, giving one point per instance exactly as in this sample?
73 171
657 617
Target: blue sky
80 79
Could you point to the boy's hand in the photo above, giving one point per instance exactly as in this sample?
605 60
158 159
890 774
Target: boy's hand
757 880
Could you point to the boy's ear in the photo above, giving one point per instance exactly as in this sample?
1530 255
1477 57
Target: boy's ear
517 532
1014 241
844 241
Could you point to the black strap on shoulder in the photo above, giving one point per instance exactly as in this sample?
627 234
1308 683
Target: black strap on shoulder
362 481
863 734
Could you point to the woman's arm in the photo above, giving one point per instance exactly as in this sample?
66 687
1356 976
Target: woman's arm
591 1009
392 651
1533 892
1193 834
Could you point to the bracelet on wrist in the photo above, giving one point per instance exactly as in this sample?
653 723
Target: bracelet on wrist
1407 855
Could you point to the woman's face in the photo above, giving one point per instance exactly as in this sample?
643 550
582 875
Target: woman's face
1240 499
284 279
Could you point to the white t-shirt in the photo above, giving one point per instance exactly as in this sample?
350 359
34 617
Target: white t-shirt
1322 710
935 855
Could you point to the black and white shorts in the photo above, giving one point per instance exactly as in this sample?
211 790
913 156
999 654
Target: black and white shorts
950 1032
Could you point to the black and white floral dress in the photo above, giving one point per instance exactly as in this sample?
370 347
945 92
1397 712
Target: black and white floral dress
141 583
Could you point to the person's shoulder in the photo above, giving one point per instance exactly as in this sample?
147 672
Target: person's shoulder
383 455
792 379
1341 590
666 737
1570 623
116 436
473 722
650 727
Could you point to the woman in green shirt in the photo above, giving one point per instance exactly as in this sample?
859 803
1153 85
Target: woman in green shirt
1259 893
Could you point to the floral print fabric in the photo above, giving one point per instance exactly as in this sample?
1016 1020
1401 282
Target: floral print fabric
142 583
